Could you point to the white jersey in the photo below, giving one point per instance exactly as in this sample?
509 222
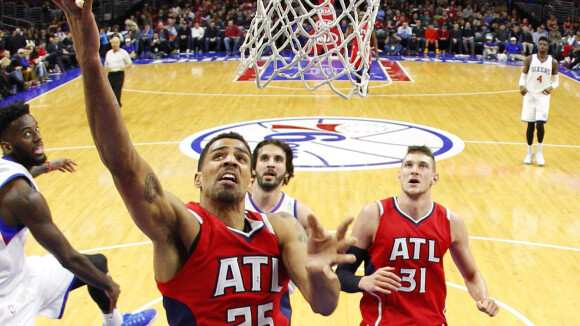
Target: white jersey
286 204
12 255
539 74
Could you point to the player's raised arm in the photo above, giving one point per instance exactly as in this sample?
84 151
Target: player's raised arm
309 258
133 177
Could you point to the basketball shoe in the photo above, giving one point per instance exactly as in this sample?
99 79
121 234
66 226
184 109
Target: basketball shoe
529 157
142 318
540 158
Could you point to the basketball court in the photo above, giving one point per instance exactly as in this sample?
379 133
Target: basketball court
522 219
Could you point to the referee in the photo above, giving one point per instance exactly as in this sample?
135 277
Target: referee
117 61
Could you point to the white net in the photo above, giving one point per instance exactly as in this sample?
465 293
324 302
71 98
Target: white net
302 40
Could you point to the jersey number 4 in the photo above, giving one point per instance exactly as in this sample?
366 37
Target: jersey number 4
539 79
246 314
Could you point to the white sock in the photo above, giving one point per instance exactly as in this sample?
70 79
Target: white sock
530 149
539 148
113 319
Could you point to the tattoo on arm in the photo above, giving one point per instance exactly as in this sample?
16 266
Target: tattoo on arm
302 236
151 187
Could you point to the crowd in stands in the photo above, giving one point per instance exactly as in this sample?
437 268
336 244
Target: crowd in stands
469 27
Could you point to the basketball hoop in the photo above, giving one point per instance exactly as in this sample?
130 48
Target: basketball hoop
295 39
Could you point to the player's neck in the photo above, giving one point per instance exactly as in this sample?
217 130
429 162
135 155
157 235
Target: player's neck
266 200
415 206
232 214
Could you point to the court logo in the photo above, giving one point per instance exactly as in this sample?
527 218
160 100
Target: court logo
337 143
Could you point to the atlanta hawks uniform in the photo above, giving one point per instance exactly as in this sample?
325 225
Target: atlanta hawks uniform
29 286
286 204
415 249
355 56
230 278
536 105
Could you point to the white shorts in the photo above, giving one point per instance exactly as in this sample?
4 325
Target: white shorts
536 107
43 292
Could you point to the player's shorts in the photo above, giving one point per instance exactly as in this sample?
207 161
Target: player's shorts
536 107
43 292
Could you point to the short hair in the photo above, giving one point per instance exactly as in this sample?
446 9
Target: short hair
423 150
287 151
544 38
11 112
230 135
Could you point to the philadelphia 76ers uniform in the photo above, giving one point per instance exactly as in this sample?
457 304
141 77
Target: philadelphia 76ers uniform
29 286
536 105
286 204
415 249
230 278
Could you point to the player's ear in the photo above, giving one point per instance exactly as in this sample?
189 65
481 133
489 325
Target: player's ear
435 178
6 147
197 180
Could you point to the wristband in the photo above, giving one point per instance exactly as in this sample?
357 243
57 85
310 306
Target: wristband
555 81
523 79
49 166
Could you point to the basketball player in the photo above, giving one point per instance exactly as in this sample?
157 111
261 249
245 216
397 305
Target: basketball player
402 241
39 286
272 168
214 262
538 80
355 55
117 60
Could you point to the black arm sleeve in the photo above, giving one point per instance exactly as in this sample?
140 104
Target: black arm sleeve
345 272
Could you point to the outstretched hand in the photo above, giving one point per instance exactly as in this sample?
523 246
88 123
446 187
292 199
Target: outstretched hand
64 165
82 25
326 250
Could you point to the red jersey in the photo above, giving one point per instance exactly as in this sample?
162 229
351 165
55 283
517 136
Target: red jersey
354 58
230 278
415 249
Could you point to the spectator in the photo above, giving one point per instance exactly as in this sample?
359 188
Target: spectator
232 34
14 71
455 39
555 38
393 44
501 36
40 69
419 31
197 33
20 62
146 36
431 38
158 47
516 32
552 23
468 39
404 32
514 50
540 31
527 41
183 35
129 48
134 37
413 46
490 48
443 35
212 36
